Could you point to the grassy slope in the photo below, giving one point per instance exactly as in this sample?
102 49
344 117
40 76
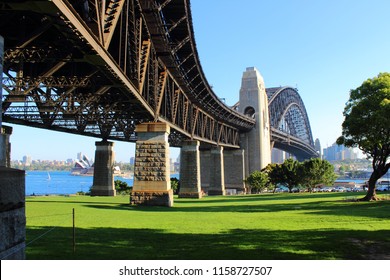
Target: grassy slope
272 226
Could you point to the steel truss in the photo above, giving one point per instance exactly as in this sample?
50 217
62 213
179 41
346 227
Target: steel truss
102 71
289 121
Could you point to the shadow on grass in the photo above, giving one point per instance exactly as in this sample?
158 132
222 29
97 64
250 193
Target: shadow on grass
236 244
379 210
321 204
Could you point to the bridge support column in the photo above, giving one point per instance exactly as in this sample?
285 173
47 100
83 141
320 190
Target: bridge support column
103 173
217 172
12 193
234 171
12 203
152 184
205 156
190 170
5 146
254 103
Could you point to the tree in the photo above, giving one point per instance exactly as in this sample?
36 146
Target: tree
175 185
316 171
122 187
342 170
367 126
286 174
258 181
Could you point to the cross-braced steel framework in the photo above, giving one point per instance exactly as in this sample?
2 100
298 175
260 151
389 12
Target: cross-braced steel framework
100 67
290 124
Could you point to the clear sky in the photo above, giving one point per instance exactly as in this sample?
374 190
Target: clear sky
323 47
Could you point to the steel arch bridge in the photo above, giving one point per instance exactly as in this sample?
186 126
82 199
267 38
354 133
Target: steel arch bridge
290 126
100 68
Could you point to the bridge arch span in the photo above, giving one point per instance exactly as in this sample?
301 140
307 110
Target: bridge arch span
288 113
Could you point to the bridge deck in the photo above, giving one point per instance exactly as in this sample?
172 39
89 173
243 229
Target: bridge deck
102 71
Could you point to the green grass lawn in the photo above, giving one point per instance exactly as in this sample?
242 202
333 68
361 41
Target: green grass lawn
267 226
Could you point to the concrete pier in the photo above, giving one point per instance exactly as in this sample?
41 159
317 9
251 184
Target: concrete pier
217 172
190 170
152 184
234 164
12 214
12 203
103 173
205 156
5 146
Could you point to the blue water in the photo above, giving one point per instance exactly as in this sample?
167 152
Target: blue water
61 182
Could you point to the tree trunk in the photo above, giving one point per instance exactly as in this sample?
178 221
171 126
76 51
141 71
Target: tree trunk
371 193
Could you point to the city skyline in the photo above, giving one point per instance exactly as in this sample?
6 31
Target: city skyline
324 49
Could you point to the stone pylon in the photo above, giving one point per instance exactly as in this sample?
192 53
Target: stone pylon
12 193
103 173
254 103
152 183
190 170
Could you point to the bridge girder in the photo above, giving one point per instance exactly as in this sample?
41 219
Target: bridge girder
290 124
102 71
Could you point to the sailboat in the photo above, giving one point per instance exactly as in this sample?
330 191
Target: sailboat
48 176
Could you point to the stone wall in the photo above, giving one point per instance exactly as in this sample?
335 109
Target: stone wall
5 146
190 170
151 161
103 173
12 214
205 169
152 183
234 170
217 171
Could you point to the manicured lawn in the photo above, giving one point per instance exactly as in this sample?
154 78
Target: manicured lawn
268 226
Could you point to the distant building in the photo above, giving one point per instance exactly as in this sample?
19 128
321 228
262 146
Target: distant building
278 156
177 167
80 156
132 160
317 146
27 160
82 166
339 152
171 165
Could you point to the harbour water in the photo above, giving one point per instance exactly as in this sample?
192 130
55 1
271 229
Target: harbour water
61 182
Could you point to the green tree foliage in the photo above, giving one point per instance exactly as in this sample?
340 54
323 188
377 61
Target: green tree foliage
271 170
367 125
286 174
316 172
122 187
257 181
175 185
294 174
342 170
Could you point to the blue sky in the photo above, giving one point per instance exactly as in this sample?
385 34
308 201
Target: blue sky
324 48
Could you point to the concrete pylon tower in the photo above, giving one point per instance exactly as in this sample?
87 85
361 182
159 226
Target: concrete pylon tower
254 103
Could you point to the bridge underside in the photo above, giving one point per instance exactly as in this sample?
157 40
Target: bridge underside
55 78
292 145
100 74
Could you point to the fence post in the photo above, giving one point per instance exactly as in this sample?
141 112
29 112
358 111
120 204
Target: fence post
74 233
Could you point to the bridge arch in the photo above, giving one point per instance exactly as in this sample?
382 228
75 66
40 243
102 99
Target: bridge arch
288 113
